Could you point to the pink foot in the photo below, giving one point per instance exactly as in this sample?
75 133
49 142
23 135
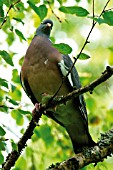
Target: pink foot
36 108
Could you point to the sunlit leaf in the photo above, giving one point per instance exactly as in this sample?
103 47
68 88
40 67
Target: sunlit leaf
10 38
15 76
63 48
110 60
12 101
19 20
84 56
18 117
21 61
14 145
79 11
16 94
2 131
6 57
4 83
19 33
44 132
108 17
21 163
28 151
24 112
1 158
41 11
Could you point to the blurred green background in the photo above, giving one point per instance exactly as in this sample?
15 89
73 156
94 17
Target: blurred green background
50 143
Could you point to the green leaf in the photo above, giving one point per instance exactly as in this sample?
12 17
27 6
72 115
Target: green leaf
16 94
14 145
1 3
1 158
98 19
19 20
15 76
12 101
79 11
13 87
44 132
22 164
60 2
84 56
111 49
4 83
10 38
78 0
6 57
18 117
110 60
7 2
41 11
63 48
2 146
2 131
108 17
19 33
21 61
1 12
24 112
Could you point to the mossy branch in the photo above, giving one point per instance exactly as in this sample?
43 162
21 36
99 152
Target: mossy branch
94 154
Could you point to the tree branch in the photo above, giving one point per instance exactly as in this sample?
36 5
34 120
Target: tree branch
14 155
94 154
105 75
10 7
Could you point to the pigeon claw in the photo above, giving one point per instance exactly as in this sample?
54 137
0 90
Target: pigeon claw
36 108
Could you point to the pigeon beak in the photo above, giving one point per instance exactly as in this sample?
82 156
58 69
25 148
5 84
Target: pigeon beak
48 24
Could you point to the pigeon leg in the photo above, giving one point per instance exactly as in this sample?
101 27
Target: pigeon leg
36 108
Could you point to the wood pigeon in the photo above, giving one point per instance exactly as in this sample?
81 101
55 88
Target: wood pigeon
42 72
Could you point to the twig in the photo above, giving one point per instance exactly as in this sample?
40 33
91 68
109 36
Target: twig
110 9
105 75
53 12
93 10
14 155
10 7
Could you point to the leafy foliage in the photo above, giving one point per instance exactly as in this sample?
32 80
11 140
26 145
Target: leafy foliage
63 48
79 11
41 10
108 17
17 29
6 57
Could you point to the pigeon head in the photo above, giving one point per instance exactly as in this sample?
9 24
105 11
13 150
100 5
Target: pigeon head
45 28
